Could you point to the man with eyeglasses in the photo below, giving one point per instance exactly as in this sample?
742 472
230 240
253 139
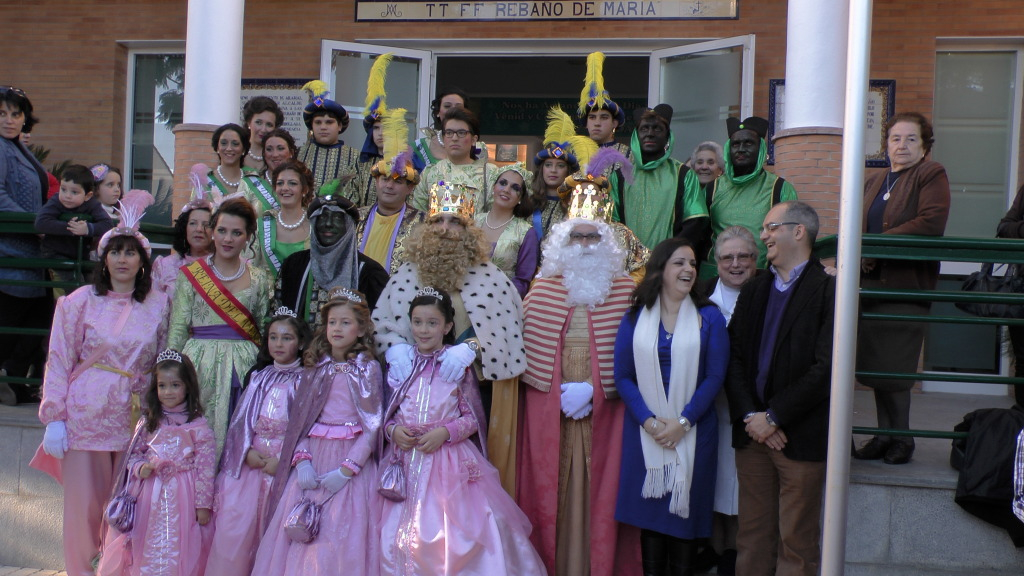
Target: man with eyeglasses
745 191
571 430
778 391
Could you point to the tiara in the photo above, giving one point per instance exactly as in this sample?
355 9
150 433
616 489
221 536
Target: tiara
346 293
285 311
429 291
169 354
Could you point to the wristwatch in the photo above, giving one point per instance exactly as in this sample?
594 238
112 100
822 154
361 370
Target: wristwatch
685 424
768 418
473 345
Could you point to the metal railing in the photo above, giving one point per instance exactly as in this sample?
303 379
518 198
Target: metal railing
929 248
77 268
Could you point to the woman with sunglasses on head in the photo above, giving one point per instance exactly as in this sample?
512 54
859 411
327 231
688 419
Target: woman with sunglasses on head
23 187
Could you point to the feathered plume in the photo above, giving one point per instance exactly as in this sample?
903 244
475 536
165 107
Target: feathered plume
562 131
606 158
396 140
200 179
316 89
133 207
375 95
593 94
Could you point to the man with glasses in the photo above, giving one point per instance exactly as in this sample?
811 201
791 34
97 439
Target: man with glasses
571 431
778 391
745 191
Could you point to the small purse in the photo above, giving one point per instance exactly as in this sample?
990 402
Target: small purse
984 281
303 523
392 480
120 511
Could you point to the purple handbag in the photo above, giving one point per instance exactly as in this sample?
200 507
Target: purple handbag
392 480
120 512
303 523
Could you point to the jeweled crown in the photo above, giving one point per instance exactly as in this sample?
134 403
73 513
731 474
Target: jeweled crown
449 198
429 291
285 311
590 201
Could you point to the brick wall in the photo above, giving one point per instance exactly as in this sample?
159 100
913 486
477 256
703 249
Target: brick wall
67 56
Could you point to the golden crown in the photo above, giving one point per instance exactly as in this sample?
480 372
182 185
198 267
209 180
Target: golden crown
449 198
590 201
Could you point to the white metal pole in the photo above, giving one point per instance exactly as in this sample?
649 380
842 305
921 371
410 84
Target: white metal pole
837 474
213 61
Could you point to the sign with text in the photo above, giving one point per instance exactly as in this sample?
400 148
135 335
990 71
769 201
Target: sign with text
449 11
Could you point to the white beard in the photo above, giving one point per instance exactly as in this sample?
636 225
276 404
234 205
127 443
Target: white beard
587 275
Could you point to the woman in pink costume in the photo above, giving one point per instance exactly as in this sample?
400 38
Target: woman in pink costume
191 234
456 518
332 433
104 338
253 446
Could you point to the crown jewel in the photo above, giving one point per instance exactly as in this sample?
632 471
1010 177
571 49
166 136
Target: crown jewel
450 198
429 291
346 293
169 354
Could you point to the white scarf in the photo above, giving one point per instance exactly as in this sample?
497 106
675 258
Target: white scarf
668 469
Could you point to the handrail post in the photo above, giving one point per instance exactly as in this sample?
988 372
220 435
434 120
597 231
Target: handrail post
837 472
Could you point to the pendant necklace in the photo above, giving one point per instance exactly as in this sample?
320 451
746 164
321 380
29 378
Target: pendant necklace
235 276
888 186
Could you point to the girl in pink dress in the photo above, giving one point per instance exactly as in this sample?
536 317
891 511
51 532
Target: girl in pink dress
253 446
456 518
331 436
171 470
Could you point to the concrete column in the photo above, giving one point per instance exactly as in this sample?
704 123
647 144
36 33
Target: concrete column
816 63
213 61
213 84
808 150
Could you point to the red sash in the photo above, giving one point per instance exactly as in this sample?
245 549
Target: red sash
222 301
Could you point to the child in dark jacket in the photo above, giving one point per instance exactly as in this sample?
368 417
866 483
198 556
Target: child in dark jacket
71 213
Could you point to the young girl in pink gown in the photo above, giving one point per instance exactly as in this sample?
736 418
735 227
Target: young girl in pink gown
171 469
252 448
331 437
456 518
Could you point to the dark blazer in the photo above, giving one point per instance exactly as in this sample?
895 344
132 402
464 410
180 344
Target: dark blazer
799 384
372 280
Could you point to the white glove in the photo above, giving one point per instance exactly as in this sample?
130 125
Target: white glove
455 360
399 358
307 475
334 480
55 439
576 399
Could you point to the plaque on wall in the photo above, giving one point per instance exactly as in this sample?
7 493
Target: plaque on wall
540 10
880 106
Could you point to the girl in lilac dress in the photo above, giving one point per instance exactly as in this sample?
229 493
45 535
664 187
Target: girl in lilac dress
171 470
456 518
331 436
253 446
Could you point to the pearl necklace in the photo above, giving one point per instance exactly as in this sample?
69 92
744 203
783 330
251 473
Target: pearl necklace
255 157
487 222
227 182
235 276
290 226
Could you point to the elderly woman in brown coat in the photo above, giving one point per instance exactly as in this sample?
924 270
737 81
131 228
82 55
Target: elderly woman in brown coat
912 197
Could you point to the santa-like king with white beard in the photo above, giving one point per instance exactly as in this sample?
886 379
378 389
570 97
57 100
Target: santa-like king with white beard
570 437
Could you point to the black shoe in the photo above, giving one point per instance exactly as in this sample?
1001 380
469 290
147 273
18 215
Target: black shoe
706 560
873 449
727 563
899 453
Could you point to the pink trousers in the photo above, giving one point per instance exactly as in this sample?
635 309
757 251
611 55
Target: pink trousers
88 479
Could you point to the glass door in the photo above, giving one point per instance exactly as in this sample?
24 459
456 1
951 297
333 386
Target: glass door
345 67
704 83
